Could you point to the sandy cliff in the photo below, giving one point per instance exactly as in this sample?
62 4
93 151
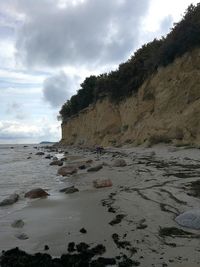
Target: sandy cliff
166 108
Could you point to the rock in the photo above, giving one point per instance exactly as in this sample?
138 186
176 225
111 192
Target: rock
48 156
55 158
46 247
69 190
22 236
102 183
63 159
119 163
36 193
29 158
67 170
56 163
83 231
82 167
18 224
10 200
95 168
40 153
190 219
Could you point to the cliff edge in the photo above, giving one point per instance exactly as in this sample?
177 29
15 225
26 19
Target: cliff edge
166 108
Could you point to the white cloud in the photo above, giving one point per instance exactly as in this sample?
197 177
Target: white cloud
41 130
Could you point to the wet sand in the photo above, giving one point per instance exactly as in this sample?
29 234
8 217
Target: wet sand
145 198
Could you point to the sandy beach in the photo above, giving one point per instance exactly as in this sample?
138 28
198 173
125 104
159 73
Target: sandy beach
133 217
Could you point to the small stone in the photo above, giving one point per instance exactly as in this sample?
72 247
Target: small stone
18 224
22 236
102 183
83 230
10 200
40 153
95 168
119 163
46 247
71 247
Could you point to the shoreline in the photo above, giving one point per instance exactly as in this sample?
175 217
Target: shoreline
146 196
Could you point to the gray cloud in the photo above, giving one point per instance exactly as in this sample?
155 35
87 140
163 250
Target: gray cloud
89 33
15 109
58 88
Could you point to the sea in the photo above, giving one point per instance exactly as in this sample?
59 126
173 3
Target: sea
22 170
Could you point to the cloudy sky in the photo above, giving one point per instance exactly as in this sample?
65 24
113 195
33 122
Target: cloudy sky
48 47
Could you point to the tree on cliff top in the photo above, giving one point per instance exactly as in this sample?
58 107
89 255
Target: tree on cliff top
130 75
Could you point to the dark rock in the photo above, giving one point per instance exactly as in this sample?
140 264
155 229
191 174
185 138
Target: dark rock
40 153
56 163
48 156
111 209
46 247
82 167
82 258
98 250
71 247
18 224
69 190
29 158
128 263
67 170
10 200
95 168
120 244
83 230
101 262
117 219
36 193
82 247
173 231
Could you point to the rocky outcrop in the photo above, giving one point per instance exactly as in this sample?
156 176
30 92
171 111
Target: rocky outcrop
36 193
166 108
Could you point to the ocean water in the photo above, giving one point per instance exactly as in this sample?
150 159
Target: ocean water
18 174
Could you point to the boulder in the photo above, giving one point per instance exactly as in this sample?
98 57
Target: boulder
56 163
48 156
40 153
67 170
119 163
36 193
10 200
190 219
102 183
18 224
69 190
95 168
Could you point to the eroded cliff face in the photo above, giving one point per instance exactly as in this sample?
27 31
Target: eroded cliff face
166 108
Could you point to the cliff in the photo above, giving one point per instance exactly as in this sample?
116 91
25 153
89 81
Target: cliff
166 108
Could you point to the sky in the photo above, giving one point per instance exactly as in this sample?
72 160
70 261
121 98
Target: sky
48 47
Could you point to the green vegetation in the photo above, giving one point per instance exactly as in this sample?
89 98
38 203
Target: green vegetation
126 80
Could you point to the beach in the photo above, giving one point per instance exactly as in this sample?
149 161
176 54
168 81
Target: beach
133 217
